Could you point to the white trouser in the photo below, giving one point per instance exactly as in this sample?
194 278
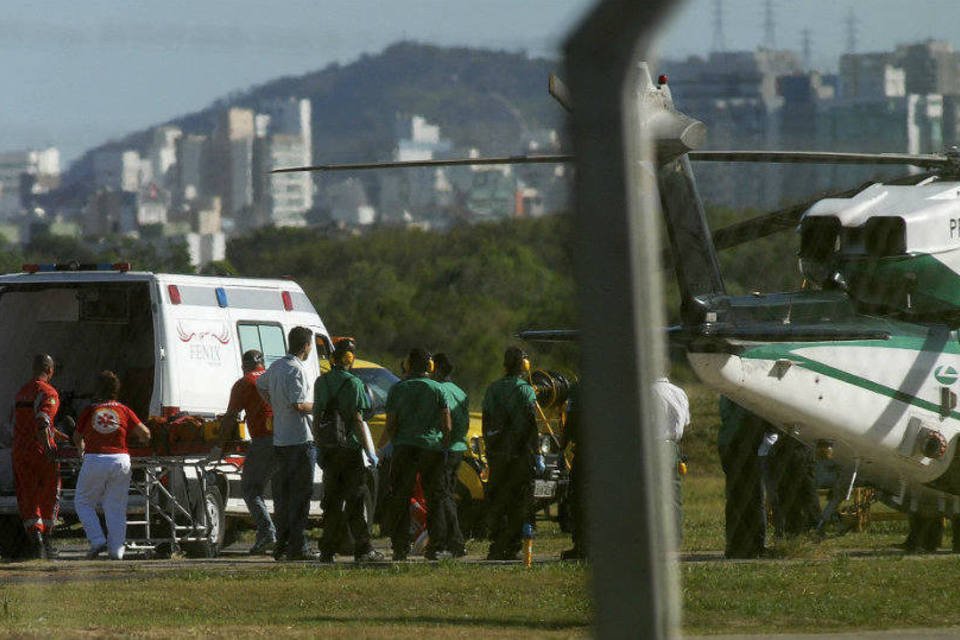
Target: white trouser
104 482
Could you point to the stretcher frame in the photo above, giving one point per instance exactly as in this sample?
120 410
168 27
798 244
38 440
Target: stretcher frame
167 501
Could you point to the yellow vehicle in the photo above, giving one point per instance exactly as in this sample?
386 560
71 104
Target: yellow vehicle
550 487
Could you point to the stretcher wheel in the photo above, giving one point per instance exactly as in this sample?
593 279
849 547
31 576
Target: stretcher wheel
216 527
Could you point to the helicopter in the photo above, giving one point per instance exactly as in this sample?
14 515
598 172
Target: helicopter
865 357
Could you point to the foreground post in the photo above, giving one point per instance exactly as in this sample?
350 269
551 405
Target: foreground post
622 323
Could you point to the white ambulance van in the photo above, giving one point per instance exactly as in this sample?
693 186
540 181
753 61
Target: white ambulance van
175 341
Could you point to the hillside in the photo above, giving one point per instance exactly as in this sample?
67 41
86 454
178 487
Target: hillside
480 98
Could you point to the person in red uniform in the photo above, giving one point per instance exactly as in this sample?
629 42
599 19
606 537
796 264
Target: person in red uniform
35 467
259 462
104 432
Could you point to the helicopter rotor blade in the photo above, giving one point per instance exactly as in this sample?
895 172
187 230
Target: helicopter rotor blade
559 91
452 162
928 161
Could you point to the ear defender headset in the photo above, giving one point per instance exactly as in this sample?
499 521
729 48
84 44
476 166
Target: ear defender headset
344 358
515 357
343 352
417 354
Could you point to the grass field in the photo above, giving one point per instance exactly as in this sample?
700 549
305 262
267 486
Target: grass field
854 581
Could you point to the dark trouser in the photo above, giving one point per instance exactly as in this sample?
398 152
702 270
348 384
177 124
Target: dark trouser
292 487
258 467
798 488
453 540
510 497
771 472
407 463
576 505
343 498
746 520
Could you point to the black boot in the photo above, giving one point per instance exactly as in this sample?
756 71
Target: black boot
36 545
50 551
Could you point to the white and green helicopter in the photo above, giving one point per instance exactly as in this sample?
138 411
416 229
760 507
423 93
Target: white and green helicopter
868 357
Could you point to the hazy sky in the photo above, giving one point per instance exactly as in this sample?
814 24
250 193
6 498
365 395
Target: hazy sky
79 72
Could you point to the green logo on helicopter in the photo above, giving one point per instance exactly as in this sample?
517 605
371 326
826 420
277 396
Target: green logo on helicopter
945 374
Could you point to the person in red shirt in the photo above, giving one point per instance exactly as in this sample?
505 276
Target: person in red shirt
35 467
103 431
259 462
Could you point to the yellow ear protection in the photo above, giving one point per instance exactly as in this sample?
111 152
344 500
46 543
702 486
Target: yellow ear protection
343 352
525 364
407 365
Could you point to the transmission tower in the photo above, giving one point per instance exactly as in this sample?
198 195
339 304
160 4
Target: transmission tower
806 48
719 42
851 23
769 26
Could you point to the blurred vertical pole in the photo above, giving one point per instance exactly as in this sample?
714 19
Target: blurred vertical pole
617 247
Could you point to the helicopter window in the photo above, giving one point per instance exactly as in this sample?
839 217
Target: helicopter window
885 236
818 237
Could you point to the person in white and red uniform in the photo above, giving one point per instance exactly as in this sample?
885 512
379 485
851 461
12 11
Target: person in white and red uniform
103 432
35 467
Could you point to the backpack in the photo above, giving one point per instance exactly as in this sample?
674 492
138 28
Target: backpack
332 429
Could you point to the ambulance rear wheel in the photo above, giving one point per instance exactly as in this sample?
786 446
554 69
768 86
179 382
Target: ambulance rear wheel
216 527
14 544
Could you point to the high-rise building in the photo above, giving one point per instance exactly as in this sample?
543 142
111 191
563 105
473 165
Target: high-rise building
162 154
192 158
931 67
231 161
866 77
283 140
118 170
24 174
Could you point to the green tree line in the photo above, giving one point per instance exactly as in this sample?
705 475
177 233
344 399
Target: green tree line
465 292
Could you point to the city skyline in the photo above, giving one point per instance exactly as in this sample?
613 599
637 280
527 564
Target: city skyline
82 74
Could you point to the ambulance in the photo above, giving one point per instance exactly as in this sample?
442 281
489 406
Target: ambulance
175 341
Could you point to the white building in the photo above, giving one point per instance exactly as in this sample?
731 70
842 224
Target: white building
284 140
416 192
205 248
37 170
118 170
162 154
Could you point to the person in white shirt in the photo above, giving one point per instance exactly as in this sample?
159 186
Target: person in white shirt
287 387
673 415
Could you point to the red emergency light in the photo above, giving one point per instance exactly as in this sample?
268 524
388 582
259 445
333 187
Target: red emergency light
287 300
174 292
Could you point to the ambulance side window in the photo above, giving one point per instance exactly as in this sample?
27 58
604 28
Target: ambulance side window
265 338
